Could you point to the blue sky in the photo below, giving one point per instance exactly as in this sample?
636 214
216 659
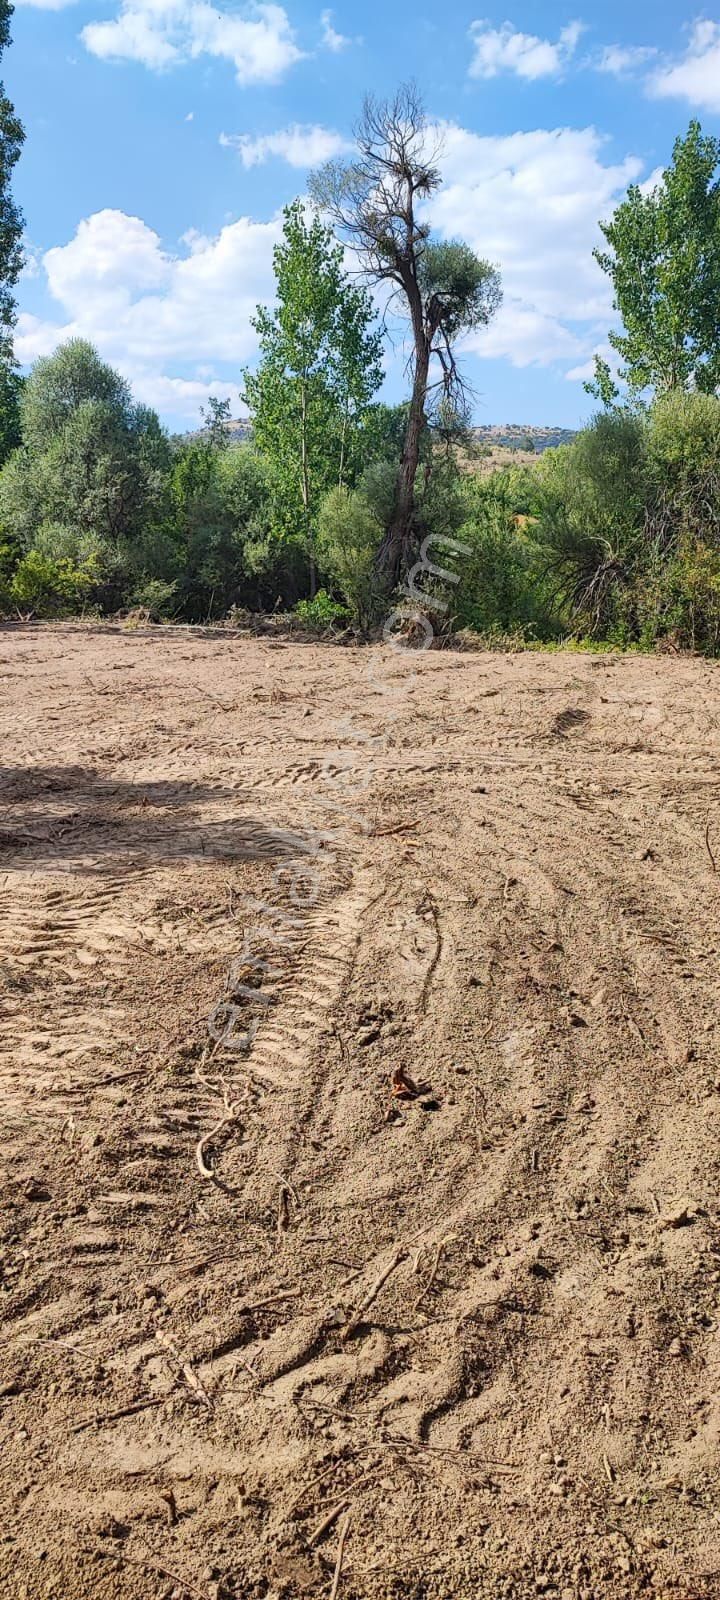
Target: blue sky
164 136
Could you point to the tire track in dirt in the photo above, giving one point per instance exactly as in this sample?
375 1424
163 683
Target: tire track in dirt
527 1403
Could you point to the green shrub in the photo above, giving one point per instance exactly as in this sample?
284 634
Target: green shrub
155 597
683 442
51 588
501 587
321 611
592 497
347 541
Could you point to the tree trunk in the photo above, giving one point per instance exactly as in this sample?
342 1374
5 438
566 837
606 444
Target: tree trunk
394 550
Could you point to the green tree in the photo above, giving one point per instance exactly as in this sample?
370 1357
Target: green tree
377 202
11 226
348 537
218 495
90 458
664 264
320 365
592 499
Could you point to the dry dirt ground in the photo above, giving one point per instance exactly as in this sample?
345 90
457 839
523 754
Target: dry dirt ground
360 1089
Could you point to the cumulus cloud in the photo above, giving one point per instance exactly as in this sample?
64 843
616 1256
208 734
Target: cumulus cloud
259 42
331 39
300 145
621 60
696 76
586 370
173 320
150 311
530 203
497 50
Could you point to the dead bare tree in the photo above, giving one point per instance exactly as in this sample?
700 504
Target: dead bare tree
378 204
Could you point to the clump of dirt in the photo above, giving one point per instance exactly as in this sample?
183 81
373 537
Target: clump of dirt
361 1091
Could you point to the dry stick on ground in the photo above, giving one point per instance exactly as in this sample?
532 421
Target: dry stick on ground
342 1505
707 845
100 1418
341 1550
431 906
156 1567
191 1378
203 1169
327 1521
371 1296
313 1484
399 827
450 1238
283 1216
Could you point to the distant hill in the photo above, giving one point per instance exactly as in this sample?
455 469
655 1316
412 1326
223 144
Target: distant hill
518 436
509 435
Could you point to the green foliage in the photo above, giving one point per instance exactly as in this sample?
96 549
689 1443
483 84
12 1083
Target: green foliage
89 457
218 520
11 387
501 585
664 264
319 368
155 597
683 446
460 291
321 611
51 588
591 517
11 256
348 537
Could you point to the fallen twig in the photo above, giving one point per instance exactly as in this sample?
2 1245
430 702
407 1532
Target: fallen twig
283 1216
371 1296
327 1521
232 1112
114 1416
707 845
431 906
450 1238
341 1551
156 1567
399 827
191 1378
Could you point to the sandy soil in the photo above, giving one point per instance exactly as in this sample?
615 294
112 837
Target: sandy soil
428 1238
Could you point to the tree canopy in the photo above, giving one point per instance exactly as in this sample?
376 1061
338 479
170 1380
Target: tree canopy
664 264
320 365
377 201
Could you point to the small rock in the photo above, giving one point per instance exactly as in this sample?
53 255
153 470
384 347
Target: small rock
35 1189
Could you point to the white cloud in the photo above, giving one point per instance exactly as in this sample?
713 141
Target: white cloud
530 203
260 42
150 311
331 39
586 370
620 60
695 78
173 320
505 50
300 146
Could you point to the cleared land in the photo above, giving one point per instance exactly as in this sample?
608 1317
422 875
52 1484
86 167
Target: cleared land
248 1294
